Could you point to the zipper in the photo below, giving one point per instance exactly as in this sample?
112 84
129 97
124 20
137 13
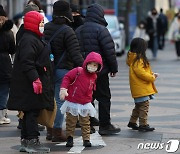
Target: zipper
74 91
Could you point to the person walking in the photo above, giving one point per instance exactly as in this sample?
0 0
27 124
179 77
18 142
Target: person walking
162 30
142 85
174 34
94 36
66 51
140 31
78 96
153 26
31 88
7 46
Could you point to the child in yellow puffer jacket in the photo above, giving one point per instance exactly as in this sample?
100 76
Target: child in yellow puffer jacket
141 79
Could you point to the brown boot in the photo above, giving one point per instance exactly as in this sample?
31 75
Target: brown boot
58 135
49 133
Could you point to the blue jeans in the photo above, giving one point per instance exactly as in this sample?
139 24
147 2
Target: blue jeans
155 47
59 74
4 92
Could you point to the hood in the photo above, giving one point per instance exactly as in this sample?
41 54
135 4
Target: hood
130 58
5 24
95 13
32 20
93 57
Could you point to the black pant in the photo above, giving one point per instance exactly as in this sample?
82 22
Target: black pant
29 125
177 45
103 96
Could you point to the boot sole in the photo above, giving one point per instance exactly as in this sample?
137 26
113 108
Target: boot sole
108 132
143 130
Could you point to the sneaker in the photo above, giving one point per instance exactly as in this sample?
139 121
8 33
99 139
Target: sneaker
109 130
86 143
34 146
145 128
94 121
23 146
69 141
5 120
134 126
92 130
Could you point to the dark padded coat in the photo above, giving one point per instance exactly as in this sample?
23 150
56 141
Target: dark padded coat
66 41
94 36
22 96
7 46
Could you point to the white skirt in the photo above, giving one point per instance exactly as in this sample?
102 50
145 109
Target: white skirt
78 109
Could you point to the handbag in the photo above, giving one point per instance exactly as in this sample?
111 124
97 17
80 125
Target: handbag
46 117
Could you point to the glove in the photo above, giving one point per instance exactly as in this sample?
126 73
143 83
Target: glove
63 93
37 86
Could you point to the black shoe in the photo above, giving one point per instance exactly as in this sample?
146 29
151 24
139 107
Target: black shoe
145 128
69 141
134 126
94 121
41 127
109 130
92 130
78 124
86 143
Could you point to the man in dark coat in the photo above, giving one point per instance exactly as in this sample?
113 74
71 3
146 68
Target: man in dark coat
7 46
66 51
94 36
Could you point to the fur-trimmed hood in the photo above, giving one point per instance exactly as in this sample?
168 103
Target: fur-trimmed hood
5 24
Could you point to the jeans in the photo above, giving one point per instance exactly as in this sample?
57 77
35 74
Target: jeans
29 125
103 96
155 47
4 92
59 74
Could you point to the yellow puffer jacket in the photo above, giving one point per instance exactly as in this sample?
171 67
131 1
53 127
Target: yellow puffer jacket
141 79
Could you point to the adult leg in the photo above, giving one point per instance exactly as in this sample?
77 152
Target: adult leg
155 46
31 133
4 92
57 132
103 96
177 45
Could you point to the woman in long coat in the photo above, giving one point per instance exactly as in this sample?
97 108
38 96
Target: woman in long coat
31 88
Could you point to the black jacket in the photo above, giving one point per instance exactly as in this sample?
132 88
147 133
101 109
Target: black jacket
7 46
22 96
66 41
94 36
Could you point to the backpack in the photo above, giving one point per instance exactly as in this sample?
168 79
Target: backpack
46 57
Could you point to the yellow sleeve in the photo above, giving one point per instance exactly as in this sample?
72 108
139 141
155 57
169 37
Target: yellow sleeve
141 73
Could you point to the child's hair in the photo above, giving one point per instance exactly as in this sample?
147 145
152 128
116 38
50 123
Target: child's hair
139 46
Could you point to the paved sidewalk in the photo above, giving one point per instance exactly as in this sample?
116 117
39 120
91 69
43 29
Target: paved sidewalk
164 114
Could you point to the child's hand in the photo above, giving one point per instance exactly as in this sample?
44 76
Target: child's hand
63 93
156 75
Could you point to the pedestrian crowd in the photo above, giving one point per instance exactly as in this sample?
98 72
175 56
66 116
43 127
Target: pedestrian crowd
68 61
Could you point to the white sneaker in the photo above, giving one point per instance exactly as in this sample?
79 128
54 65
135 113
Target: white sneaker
5 120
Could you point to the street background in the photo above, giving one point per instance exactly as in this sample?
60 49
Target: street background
164 113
